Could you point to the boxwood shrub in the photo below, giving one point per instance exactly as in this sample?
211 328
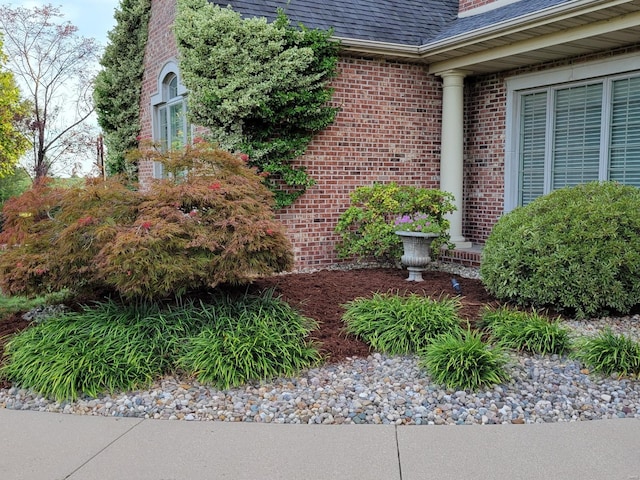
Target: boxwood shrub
576 250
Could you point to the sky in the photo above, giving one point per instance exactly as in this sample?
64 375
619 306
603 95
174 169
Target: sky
94 18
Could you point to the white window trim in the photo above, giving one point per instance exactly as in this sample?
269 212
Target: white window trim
170 67
553 77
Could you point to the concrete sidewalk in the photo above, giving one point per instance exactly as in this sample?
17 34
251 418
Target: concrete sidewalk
49 446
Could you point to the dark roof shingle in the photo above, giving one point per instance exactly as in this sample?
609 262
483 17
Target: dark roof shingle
411 22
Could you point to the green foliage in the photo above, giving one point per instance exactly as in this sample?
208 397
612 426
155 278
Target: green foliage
210 223
609 353
118 85
576 249
526 331
17 304
261 88
96 350
400 325
14 184
13 142
461 360
367 227
113 347
251 344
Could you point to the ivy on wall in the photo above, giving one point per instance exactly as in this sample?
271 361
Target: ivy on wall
118 85
260 88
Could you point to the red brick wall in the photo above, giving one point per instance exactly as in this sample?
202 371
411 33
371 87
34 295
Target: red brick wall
388 129
485 107
466 5
160 48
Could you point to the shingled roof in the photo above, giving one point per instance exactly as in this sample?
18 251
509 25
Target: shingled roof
508 12
409 22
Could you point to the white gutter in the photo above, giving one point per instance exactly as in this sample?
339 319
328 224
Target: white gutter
602 27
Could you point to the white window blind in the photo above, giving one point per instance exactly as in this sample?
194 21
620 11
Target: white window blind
577 133
533 127
624 154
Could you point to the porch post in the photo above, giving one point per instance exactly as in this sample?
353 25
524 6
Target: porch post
452 148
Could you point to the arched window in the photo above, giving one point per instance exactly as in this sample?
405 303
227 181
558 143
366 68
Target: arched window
170 127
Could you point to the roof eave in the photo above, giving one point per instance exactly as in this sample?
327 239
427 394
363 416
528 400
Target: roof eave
536 19
434 52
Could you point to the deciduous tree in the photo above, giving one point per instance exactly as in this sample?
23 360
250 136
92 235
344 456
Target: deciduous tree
13 142
55 68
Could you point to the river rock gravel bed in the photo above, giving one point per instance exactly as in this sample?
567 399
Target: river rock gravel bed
380 390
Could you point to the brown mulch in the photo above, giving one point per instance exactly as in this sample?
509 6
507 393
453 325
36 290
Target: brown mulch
320 295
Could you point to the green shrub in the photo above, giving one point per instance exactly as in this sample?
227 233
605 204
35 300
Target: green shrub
400 325
262 340
576 249
526 331
212 222
609 353
461 360
259 87
367 227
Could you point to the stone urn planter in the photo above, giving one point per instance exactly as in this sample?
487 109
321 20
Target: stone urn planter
417 248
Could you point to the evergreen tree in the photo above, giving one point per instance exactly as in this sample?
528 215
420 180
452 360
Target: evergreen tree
118 85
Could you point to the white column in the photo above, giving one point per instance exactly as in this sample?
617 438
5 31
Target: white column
452 148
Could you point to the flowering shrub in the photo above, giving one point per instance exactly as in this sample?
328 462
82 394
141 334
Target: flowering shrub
367 227
178 235
418 222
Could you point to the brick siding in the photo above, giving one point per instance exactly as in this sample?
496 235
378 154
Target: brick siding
466 5
388 129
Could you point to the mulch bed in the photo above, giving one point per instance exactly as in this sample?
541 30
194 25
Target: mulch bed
320 295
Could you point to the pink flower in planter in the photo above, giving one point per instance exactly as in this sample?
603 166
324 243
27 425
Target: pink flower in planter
215 186
244 157
146 225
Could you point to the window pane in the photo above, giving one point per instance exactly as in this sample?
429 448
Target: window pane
163 132
624 157
533 127
576 142
177 125
173 88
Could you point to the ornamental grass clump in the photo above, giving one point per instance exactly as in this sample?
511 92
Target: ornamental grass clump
610 353
526 331
460 360
262 340
112 347
400 325
105 348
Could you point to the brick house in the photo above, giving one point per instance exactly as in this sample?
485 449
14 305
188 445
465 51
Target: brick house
496 101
